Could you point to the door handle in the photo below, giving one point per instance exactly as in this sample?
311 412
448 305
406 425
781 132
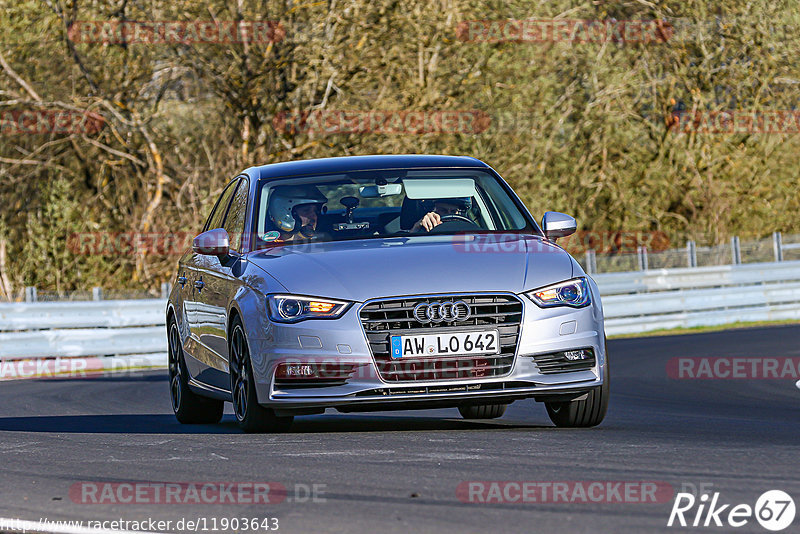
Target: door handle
182 280
199 284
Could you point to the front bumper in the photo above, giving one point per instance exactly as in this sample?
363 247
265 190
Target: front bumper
334 342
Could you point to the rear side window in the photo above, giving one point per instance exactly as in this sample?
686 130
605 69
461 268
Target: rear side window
234 222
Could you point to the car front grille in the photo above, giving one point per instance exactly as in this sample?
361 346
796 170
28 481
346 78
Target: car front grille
386 318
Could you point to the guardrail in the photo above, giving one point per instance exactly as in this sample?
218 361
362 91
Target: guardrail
633 302
69 329
638 302
697 277
81 338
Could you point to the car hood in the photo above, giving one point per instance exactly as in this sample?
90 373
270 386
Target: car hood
364 269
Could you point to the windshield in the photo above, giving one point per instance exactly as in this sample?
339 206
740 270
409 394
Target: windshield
380 204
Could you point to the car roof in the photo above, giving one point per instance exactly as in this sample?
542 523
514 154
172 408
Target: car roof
361 163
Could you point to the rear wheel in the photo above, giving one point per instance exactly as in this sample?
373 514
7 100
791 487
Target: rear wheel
252 417
189 407
582 413
483 411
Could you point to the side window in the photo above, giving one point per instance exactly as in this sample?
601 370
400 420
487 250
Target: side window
218 213
234 222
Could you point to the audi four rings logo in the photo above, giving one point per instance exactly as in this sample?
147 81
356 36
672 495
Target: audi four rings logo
436 312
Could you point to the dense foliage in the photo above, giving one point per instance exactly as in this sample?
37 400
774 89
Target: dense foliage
595 129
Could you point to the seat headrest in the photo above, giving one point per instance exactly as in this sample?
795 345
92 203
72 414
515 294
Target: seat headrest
410 212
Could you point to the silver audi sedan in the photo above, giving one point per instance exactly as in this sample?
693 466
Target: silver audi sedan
382 283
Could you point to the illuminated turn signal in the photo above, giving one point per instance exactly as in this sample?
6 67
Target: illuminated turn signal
320 307
547 294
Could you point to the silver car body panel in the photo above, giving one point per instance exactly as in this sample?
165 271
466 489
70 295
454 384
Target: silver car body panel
362 271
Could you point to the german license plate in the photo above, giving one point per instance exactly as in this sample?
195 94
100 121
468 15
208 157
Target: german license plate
455 344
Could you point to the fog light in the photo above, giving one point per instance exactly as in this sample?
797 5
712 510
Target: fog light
565 362
575 355
314 371
298 370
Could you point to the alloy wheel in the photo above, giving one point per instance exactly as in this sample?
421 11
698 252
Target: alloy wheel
174 367
239 370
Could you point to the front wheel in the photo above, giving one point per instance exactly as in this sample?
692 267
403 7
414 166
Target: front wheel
582 413
252 417
189 407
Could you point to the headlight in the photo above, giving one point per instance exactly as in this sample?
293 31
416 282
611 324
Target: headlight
574 293
293 308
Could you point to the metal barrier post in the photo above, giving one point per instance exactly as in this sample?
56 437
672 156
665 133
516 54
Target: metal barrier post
591 262
97 293
736 251
691 254
166 288
30 294
641 252
777 245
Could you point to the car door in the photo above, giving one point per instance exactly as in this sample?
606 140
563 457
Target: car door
201 364
218 284
184 290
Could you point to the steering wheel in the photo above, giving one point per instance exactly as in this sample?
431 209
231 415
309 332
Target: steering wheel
454 223
457 218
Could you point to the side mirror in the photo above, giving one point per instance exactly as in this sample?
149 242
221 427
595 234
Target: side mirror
212 243
555 225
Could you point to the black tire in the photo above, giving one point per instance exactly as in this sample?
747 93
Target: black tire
252 417
582 413
483 411
189 407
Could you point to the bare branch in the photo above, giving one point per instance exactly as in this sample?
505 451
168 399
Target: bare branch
17 78
110 150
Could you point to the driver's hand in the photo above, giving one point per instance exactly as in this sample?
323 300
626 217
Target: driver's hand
429 222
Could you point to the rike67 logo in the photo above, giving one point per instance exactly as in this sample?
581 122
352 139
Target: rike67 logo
774 510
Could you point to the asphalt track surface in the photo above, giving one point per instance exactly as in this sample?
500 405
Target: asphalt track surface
399 471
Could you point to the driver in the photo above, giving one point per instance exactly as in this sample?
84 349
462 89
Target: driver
441 208
294 211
